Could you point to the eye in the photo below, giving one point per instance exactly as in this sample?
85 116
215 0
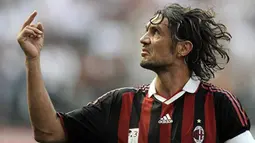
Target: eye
155 31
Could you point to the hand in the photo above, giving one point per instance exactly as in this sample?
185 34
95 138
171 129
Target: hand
31 37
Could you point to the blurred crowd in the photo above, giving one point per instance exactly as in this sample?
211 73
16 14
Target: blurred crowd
92 46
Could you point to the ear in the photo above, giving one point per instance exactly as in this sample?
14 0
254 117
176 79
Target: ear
184 48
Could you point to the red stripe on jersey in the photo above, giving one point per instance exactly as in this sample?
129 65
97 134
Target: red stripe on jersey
144 123
245 120
238 110
165 129
126 108
210 121
188 118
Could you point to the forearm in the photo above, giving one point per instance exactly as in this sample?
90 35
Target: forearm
42 113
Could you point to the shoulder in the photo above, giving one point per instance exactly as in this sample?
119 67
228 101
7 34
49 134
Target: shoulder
223 99
140 89
227 104
218 92
118 93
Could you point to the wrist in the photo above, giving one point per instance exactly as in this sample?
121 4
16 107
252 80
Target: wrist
32 60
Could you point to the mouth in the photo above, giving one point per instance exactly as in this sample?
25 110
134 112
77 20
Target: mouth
144 52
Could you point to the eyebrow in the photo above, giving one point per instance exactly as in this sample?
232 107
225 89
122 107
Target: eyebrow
147 26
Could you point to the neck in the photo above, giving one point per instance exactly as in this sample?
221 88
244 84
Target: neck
170 81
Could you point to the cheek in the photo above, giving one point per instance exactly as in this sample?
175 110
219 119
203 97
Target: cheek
160 55
161 48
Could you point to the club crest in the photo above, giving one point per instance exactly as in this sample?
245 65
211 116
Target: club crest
198 134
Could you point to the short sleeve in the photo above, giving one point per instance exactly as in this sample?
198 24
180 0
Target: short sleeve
87 124
232 119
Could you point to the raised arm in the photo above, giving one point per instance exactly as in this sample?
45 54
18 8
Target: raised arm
46 125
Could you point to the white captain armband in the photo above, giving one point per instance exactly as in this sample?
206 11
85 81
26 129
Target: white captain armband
245 137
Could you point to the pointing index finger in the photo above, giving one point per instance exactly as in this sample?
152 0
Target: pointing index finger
29 20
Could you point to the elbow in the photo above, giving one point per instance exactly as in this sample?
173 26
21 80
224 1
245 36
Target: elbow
45 137
54 134
40 139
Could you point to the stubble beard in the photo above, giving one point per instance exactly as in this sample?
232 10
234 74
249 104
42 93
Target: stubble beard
155 66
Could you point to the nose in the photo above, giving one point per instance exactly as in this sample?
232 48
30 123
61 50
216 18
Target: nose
145 40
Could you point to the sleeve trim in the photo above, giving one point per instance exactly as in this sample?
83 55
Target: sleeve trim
62 123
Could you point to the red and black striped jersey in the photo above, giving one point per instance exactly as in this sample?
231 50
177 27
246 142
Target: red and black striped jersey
199 113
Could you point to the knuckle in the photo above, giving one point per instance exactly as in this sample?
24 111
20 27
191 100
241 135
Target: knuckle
25 31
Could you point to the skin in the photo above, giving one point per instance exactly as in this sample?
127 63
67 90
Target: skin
47 127
159 55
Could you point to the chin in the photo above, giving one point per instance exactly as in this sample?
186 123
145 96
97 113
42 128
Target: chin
152 65
148 65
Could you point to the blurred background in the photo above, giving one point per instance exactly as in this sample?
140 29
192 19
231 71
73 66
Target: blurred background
92 46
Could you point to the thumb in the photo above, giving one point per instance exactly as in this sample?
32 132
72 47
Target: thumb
40 26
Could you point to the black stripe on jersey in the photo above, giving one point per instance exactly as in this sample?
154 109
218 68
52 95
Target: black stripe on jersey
136 110
199 114
114 118
176 132
112 135
154 129
217 118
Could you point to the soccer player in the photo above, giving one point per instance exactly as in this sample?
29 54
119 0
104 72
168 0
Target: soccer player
181 45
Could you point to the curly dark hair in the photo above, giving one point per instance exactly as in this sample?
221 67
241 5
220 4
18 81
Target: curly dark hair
199 27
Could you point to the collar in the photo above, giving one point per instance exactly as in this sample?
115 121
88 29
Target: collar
191 86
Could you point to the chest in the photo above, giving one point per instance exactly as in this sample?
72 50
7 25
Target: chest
151 121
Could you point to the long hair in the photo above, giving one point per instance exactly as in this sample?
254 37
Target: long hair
199 27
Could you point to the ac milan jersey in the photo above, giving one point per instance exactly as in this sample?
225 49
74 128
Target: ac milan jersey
199 113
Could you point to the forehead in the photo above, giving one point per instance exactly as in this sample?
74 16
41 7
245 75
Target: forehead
158 20
162 27
163 23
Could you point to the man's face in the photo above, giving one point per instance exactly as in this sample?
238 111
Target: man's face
157 51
